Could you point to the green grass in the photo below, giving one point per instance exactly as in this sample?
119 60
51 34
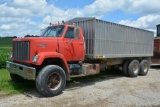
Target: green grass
8 87
4 56
5 48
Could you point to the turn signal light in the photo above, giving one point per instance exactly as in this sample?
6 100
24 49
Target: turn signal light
36 52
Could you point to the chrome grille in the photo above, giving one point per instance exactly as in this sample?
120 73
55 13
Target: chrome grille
21 50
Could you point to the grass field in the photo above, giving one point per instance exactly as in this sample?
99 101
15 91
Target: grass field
5 42
4 56
5 47
7 86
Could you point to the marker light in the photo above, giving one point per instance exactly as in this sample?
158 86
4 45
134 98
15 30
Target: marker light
35 58
11 54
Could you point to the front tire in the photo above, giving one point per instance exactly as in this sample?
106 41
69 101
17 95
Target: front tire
133 68
144 67
51 80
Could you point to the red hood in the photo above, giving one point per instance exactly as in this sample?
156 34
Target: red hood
40 44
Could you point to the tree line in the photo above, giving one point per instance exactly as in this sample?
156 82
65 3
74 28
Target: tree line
17 37
30 35
9 37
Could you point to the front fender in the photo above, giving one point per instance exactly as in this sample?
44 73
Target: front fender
43 55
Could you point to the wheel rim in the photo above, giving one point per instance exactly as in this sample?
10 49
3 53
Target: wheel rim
145 67
135 68
54 81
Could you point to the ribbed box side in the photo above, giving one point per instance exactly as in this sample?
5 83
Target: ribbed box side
114 40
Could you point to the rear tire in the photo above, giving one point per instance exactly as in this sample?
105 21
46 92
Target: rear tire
16 78
125 68
51 80
144 67
133 68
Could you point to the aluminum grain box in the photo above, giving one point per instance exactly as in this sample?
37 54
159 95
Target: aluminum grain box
110 40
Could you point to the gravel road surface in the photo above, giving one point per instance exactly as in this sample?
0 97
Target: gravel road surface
110 89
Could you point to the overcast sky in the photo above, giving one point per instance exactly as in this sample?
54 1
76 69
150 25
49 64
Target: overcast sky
22 17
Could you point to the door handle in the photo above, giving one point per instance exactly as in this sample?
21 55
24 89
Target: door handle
81 44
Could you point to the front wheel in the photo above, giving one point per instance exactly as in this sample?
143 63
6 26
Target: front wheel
51 80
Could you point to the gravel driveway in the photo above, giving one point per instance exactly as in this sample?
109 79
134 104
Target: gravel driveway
111 89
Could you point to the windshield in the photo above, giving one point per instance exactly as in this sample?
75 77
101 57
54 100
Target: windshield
54 31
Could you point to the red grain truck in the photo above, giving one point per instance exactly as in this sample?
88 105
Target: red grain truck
84 47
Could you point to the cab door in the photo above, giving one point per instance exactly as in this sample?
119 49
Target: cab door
73 45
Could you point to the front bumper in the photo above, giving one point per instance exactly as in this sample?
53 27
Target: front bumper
24 71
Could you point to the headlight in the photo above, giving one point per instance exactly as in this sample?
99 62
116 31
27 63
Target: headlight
11 55
35 58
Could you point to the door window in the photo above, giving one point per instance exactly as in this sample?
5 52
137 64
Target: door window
70 33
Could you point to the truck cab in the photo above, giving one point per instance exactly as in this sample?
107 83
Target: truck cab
68 41
64 40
